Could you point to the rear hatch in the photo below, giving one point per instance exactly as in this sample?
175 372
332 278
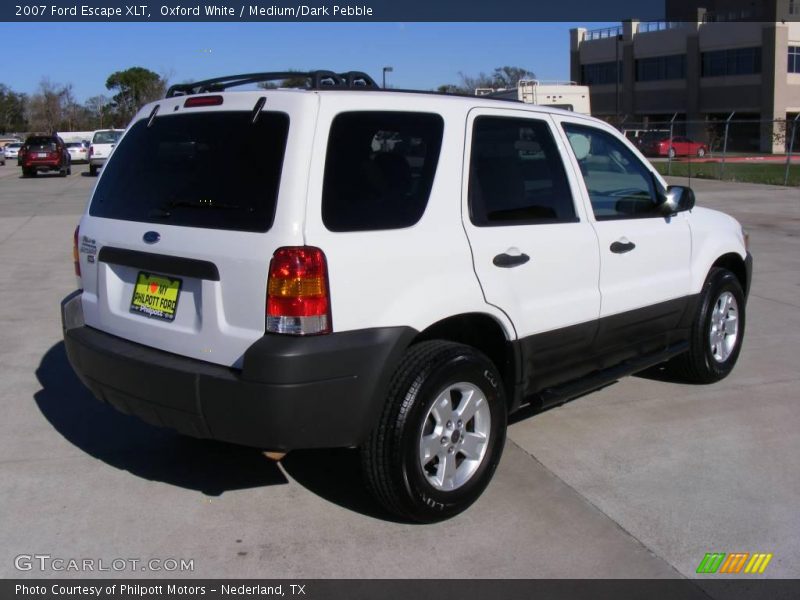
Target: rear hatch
42 150
176 245
103 142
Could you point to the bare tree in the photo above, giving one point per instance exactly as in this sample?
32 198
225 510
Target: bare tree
47 107
98 108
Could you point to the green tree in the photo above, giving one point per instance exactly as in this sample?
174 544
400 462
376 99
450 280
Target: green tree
132 88
12 110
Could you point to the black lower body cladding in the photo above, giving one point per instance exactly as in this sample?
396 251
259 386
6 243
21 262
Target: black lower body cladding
292 392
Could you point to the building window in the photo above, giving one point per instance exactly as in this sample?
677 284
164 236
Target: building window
737 61
794 59
601 73
661 68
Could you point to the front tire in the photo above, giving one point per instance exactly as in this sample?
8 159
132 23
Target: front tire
701 152
441 433
717 330
671 153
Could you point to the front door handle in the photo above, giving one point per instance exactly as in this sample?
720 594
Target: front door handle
506 261
622 246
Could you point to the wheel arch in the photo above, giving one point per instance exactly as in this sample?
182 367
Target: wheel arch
487 334
736 265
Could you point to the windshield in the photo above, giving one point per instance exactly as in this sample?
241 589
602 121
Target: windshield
106 137
217 170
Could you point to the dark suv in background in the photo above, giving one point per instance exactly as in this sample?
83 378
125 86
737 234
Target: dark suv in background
44 153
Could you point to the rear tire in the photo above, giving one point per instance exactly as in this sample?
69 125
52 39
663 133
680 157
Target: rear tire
441 434
717 331
92 170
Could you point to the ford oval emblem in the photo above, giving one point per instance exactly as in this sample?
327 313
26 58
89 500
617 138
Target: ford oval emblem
151 237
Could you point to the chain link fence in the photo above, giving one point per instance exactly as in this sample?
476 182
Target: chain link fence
729 148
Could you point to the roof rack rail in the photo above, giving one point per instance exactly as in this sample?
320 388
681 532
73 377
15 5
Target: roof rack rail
316 80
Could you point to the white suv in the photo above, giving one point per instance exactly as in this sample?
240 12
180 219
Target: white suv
347 266
103 142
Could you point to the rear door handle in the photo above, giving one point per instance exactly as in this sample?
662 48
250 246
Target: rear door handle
622 246
506 261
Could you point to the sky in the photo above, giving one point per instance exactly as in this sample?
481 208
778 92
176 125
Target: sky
423 55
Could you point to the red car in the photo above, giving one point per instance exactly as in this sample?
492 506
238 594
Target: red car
44 153
680 146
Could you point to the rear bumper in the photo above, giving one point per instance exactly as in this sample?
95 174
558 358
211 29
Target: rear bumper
98 162
42 165
292 392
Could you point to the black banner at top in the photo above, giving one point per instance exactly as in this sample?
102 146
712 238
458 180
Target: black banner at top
327 10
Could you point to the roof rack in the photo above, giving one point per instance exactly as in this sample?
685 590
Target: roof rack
316 80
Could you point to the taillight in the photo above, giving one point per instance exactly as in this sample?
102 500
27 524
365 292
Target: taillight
75 253
298 298
91 150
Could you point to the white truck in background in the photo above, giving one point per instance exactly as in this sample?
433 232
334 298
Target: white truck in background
558 94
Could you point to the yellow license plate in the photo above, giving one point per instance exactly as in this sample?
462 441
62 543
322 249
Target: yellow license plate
155 296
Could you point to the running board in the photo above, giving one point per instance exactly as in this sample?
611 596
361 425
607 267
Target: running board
562 393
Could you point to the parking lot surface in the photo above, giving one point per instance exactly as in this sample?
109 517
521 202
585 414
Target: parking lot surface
637 480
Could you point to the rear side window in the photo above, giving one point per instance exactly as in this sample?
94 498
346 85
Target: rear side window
217 170
379 169
516 174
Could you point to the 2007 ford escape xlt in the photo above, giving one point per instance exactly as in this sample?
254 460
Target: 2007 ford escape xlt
342 265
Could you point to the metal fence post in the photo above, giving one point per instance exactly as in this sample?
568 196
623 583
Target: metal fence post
791 149
725 145
671 135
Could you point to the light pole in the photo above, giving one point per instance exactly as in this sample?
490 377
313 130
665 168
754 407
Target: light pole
386 70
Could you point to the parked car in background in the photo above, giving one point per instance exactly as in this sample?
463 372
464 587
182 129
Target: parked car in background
78 151
679 146
11 151
103 142
44 153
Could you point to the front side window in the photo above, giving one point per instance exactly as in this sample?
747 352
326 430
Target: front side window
516 174
379 169
620 186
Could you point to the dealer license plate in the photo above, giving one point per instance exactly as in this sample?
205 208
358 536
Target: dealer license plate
156 296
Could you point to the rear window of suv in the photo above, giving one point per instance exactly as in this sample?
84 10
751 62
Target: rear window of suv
106 137
41 144
216 170
379 170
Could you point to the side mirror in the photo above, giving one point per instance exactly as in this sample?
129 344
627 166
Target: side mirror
675 199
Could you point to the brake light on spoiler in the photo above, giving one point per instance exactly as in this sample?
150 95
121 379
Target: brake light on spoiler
202 101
